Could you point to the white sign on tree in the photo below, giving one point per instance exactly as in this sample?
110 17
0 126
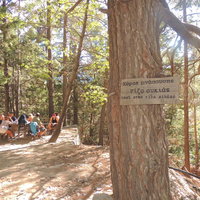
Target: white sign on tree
150 91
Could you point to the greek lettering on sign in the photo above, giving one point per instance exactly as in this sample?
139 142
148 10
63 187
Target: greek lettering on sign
150 91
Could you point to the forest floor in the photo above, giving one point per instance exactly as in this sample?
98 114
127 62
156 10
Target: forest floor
38 170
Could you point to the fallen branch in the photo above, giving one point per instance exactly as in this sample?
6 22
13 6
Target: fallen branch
185 172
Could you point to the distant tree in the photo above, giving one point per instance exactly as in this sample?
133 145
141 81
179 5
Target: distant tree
50 82
72 77
186 99
5 30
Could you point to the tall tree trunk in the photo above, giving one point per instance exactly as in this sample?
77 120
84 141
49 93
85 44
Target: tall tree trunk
72 78
186 107
13 90
17 87
139 152
173 66
75 105
5 60
103 113
102 124
65 56
50 83
68 116
91 126
195 128
64 62
12 97
196 138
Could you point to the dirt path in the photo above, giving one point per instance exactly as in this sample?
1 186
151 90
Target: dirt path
53 171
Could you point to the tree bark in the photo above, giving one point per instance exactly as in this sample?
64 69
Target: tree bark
139 152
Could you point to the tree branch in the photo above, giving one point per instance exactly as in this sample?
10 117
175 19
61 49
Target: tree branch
194 75
74 6
184 30
192 28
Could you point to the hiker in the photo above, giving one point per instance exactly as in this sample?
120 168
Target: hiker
1 118
42 129
53 122
4 124
23 119
12 118
36 118
22 122
30 117
5 128
57 116
35 130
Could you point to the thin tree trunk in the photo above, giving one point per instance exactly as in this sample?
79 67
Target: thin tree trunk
195 129
139 152
91 129
17 91
186 108
196 138
102 124
12 98
75 106
64 61
16 112
6 85
71 79
50 84
68 116
103 113
173 66
17 88
65 80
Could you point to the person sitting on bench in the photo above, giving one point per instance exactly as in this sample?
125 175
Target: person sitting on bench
35 130
22 122
53 122
1 118
41 127
5 128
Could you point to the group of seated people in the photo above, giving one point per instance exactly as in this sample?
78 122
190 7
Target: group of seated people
9 124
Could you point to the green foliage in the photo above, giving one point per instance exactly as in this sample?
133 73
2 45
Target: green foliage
94 95
3 80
